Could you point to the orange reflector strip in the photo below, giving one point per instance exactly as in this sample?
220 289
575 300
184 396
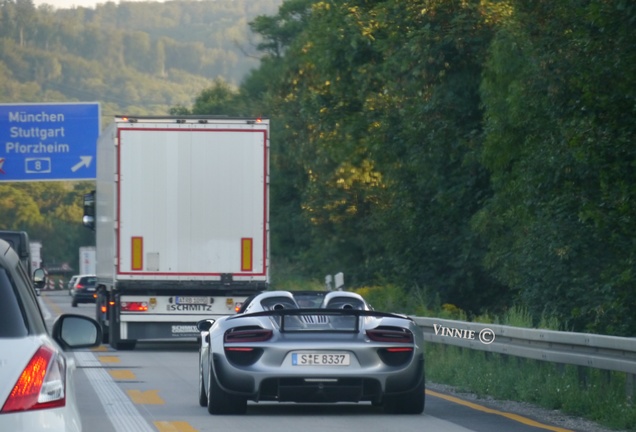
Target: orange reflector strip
137 244
246 254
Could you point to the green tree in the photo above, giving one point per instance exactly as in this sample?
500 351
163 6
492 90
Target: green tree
558 86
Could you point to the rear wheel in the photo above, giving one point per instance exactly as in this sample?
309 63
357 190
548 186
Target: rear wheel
74 303
408 403
203 398
222 402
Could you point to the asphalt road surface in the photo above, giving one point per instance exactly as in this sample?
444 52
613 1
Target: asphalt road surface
154 388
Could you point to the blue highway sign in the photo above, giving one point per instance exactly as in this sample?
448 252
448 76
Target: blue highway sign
41 142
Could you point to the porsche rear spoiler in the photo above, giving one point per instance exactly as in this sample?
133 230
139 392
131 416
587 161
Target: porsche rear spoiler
334 320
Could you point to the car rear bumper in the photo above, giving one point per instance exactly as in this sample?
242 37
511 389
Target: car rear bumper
84 297
307 385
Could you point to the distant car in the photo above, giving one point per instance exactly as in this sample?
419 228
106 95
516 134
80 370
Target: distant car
83 289
71 283
342 351
36 373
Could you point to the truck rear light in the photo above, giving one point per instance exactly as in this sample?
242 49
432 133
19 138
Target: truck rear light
134 306
41 385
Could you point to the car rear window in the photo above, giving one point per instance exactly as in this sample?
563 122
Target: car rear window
88 281
12 321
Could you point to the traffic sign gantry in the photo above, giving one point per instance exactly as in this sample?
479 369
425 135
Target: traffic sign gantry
48 141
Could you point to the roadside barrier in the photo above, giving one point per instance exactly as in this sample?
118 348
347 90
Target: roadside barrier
609 353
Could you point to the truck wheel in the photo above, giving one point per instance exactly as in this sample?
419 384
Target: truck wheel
99 317
124 345
221 402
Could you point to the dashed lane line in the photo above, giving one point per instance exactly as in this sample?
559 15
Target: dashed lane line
177 426
145 397
122 374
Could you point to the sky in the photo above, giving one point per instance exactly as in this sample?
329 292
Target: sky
65 4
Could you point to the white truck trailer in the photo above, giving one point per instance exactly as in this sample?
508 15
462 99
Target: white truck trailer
180 213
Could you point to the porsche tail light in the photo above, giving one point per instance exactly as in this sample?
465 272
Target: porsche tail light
390 334
395 356
245 355
41 385
247 334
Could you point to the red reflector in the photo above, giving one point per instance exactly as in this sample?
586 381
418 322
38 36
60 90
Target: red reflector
243 349
399 349
134 306
41 384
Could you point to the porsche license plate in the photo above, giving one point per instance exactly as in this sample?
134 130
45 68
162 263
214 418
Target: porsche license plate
320 359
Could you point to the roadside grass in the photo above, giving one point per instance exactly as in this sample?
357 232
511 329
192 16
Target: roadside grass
596 395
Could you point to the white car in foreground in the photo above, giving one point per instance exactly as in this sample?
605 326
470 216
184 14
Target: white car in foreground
36 375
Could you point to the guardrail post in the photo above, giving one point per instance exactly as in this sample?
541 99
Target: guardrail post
630 384
582 370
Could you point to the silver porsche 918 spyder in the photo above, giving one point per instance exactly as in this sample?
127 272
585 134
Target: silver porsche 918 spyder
338 351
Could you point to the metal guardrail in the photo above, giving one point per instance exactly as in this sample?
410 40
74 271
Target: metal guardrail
611 353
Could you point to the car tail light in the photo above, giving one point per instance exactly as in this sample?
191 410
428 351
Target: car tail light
79 287
134 306
247 334
242 355
390 334
395 356
41 385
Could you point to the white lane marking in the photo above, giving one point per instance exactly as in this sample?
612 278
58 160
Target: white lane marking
121 412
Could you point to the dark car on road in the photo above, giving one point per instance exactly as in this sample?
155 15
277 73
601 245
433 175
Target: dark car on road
83 290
